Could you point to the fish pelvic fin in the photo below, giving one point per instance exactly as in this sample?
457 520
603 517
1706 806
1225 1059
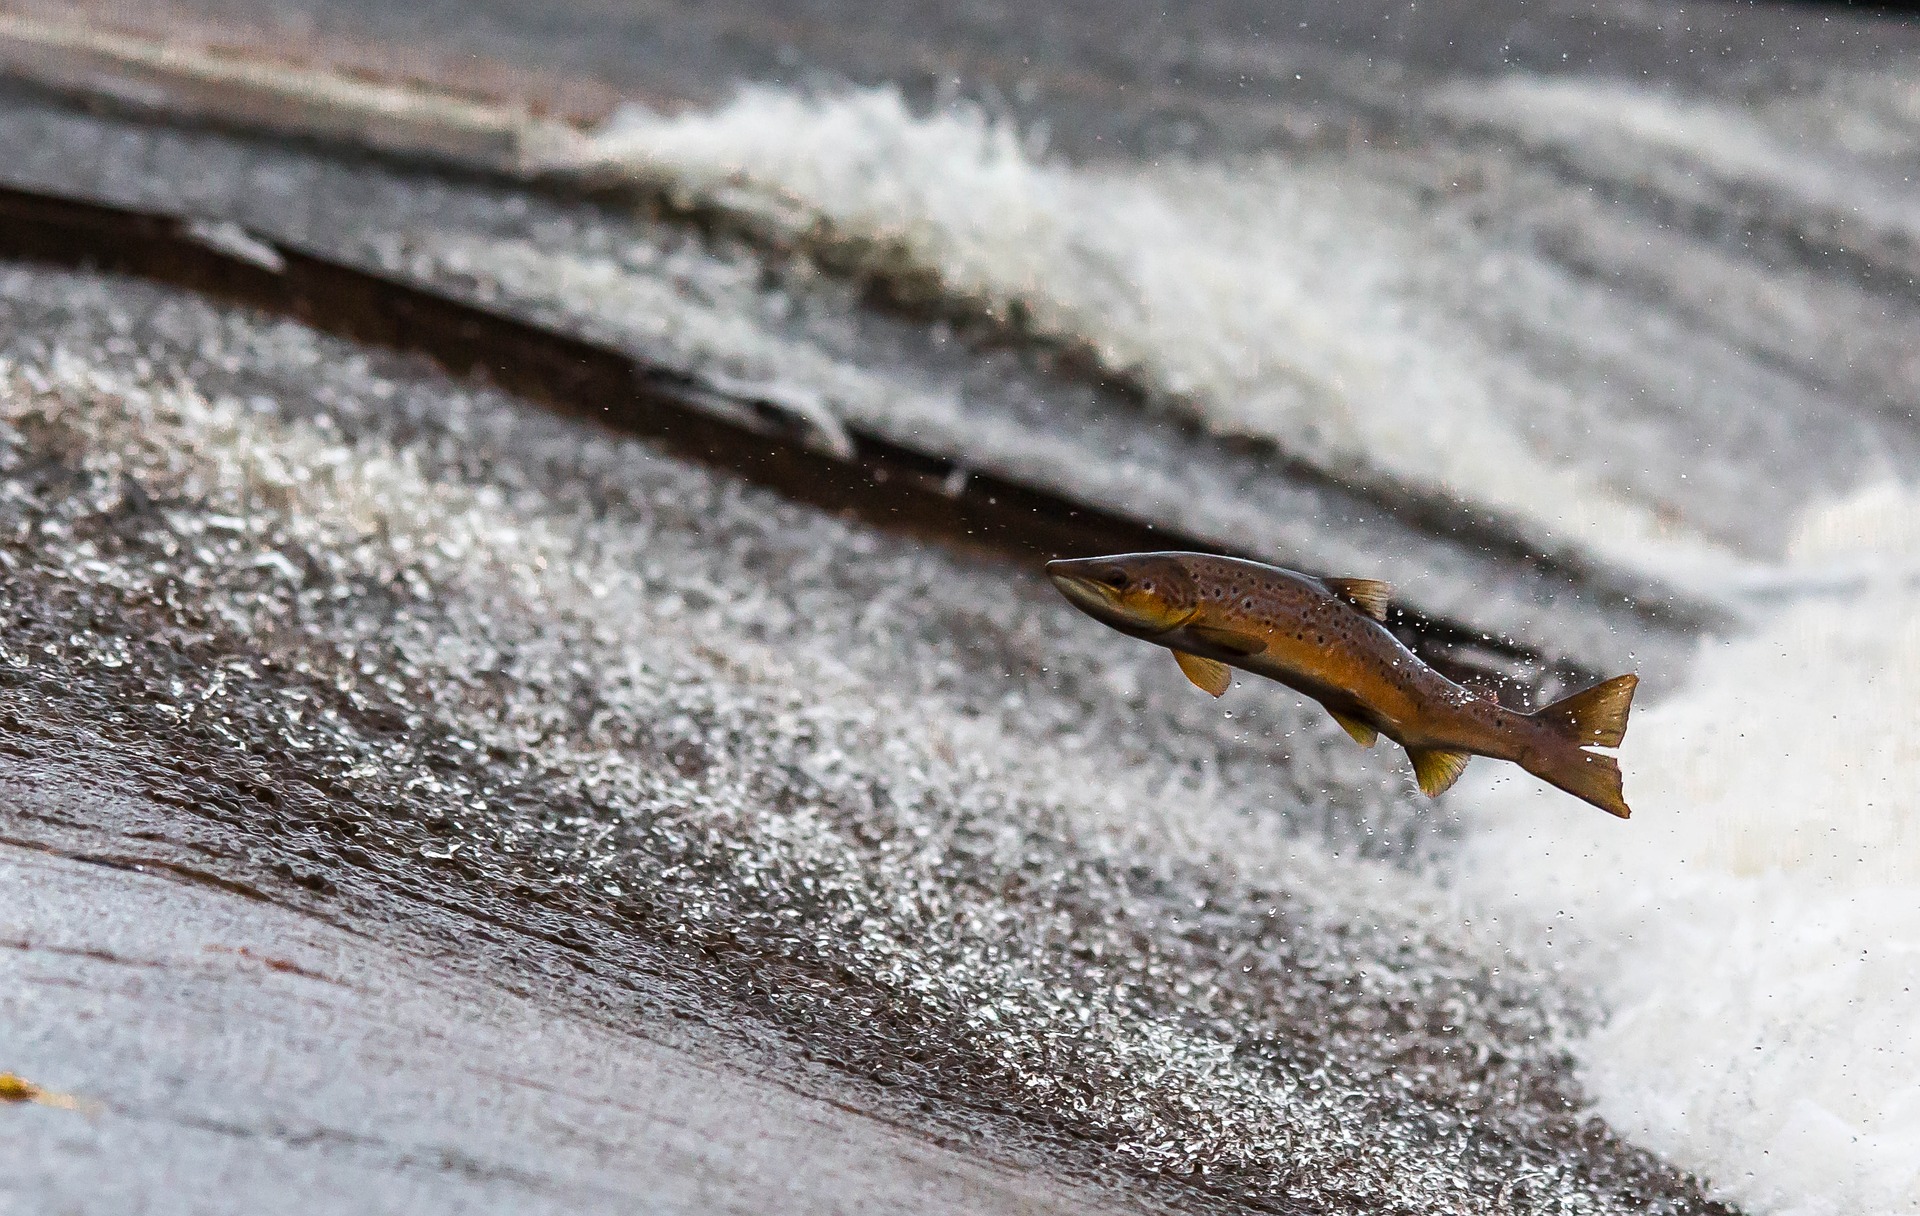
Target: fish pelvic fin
1368 595
1594 718
1437 771
1588 776
1362 734
1208 675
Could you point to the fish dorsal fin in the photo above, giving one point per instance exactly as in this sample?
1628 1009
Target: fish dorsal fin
1208 675
1437 771
1596 717
1362 734
1231 640
1366 594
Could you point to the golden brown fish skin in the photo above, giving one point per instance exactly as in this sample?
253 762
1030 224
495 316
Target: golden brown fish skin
1319 644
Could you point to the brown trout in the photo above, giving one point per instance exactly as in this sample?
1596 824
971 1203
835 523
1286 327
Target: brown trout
1323 637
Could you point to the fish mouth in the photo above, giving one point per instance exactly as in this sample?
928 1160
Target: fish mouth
1082 592
1100 602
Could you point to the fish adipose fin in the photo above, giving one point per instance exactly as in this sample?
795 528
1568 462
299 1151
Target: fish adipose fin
1596 717
1365 594
1437 771
1362 734
1208 675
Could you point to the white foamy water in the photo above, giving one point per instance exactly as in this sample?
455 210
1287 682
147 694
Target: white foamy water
1800 148
1754 932
1268 297
1755 929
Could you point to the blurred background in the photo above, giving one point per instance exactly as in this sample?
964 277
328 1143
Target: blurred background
525 683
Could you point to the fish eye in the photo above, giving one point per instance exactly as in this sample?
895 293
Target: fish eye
1116 578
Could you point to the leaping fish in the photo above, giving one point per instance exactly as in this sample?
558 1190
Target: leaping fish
1323 637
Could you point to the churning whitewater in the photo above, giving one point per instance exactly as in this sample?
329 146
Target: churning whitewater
1203 945
1506 326
1756 937
1325 303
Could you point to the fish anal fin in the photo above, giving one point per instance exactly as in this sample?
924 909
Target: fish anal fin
1208 675
1368 595
1436 770
1230 640
1362 734
1595 717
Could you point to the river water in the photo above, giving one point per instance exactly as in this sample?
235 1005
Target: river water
1654 333
1693 409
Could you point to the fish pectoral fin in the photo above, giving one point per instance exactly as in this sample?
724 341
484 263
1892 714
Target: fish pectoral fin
1208 675
1231 640
1362 734
1368 595
1437 771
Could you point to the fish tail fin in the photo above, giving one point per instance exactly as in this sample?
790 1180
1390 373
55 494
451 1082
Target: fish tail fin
1596 717
1588 776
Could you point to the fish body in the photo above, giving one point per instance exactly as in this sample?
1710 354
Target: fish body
1324 638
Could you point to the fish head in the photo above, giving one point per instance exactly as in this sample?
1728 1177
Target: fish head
1138 593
